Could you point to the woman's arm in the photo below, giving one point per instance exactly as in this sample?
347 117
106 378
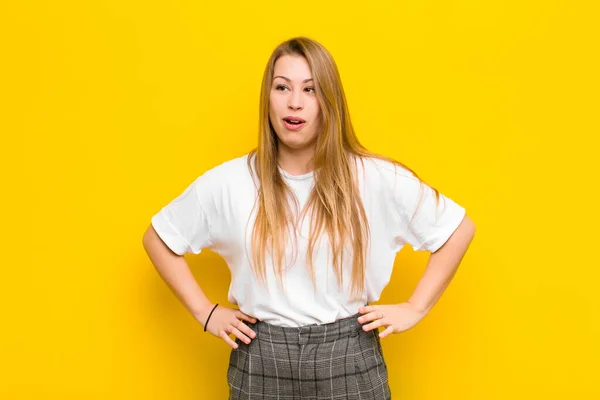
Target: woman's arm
174 270
440 270
442 266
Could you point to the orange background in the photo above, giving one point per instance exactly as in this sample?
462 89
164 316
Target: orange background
109 109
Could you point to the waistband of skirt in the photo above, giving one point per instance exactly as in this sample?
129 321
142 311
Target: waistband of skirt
315 333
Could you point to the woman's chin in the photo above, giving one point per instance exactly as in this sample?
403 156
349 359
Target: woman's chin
294 142
295 145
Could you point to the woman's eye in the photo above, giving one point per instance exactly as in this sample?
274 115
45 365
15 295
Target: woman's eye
283 87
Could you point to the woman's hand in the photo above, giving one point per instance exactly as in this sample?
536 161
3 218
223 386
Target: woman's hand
396 317
226 321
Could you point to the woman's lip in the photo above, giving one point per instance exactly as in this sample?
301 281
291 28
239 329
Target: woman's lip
292 127
291 117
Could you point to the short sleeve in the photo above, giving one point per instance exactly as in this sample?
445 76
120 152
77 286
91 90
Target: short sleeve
418 219
182 224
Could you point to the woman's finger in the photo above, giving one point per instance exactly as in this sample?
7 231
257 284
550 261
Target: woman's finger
389 330
366 309
245 317
238 334
372 316
245 329
223 335
376 324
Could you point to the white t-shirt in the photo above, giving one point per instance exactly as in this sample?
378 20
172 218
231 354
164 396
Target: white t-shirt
213 212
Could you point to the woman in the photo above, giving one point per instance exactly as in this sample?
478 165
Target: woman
309 224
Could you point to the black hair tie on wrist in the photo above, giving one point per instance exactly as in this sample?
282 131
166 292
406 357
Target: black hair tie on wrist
208 319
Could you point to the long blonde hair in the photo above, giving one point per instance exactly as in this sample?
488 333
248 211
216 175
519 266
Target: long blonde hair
334 205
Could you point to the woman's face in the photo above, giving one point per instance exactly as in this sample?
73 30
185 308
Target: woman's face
293 100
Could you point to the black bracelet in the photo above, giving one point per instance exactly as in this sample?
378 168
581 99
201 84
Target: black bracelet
207 319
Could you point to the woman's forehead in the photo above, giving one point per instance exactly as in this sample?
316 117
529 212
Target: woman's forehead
292 68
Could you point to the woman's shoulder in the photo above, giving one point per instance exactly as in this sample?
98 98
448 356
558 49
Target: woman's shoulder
381 167
229 170
224 176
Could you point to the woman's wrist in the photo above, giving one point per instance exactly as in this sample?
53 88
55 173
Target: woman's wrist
201 313
209 315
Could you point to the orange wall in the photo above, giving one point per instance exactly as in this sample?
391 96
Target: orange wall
109 109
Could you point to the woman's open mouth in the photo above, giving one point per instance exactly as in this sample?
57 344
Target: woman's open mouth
293 123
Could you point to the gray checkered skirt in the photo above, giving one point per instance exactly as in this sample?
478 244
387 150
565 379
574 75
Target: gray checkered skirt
314 362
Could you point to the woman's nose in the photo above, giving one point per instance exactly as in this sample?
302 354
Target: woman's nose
295 102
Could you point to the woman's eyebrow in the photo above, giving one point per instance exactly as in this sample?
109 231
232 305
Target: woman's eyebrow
289 80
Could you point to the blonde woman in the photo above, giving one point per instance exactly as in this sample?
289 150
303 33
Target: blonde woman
309 224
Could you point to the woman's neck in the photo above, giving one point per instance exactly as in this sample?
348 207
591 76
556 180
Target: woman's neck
296 161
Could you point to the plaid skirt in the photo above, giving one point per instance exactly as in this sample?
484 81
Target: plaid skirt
314 362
